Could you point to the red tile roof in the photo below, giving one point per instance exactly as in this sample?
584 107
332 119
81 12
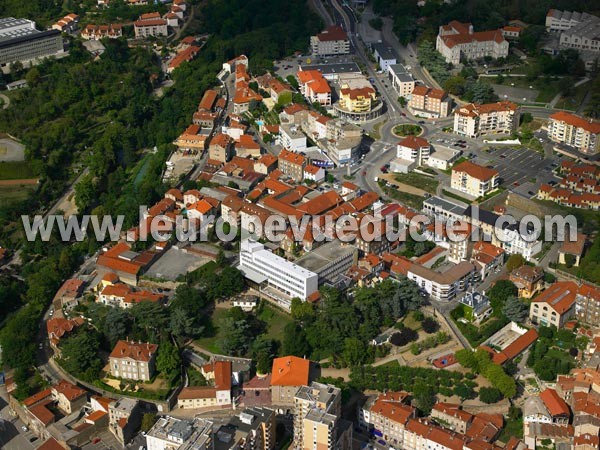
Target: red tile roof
475 170
333 33
51 444
135 351
414 142
555 405
560 296
290 371
194 392
576 121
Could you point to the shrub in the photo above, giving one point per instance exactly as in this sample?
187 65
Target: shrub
403 337
490 395
430 325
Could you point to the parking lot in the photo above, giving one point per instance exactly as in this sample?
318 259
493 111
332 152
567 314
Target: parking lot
521 170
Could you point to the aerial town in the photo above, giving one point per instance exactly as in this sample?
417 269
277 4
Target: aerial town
300 224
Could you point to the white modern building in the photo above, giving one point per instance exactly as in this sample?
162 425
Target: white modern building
443 286
384 56
169 433
292 138
260 266
474 120
401 79
414 148
443 157
574 131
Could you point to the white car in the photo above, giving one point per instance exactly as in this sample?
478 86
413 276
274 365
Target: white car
24 428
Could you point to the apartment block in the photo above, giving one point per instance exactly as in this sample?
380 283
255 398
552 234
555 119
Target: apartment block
262 266
21 41
575 131
386 415
402 81
332 41
291 138
474 120
150 26
317 419
314 87
528 279
555 305
170 433
587 304
458 42
133 361
474 179
288 374
252 429
414 148
428 102
443 286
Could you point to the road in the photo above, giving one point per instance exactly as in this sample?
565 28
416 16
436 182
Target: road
5 101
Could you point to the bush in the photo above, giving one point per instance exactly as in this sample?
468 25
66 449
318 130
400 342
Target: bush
490 395
430 325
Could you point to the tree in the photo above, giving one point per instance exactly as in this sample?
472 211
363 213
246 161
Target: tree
464 392
403 337
148 420
499 293
526 118
302 311
181 324
515 310
79 354
355 352
514 262
376 23
570 260
294 340
116 325
402 101
430 325
455 85
263 352
489 395
168 360
424 397
235 336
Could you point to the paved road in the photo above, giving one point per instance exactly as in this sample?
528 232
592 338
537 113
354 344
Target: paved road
5 101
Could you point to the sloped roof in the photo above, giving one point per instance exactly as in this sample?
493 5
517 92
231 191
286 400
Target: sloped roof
290 371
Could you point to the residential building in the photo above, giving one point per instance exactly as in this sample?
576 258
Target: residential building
443 157
186 55
221 148
251 429
292 164
421 435
576 30
133 361
169 433
357 100
68 294
386 415
69 398
314 173
473 179
516 241
476 306
504 349
67 24
332 41
555 305
511 32
59 327
193 139
401 80
124 418
428 102
548 407
291 138
474 120
262 266
219 394
443 286
452 416
458 42
314 87
443 209
487 258
572 251
288 374
528 279
574 131
414 149
149 25
587 304
557 20
342 142
21 41
317 419
246 147
384 56
97 32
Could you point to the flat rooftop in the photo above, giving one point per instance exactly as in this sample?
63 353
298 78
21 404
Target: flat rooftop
11 28
324 255
446 205
334 68
384 51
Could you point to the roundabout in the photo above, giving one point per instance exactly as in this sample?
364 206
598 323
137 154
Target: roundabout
407 129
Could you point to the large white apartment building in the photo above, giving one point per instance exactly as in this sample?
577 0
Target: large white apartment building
442 286
332 41
474 119
575 131
414 149
169 433
262 266
402 81
457 41
292 138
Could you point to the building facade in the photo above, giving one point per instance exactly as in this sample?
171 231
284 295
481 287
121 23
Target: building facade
474 120
133 361
428 102
473 179
574 131
458 41
332 41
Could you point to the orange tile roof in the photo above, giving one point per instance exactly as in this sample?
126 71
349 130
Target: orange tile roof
393 410
576 121
57 327
96 415
555 405
414 142
37 397
184 55
321 203
42 413
487 249
208 100
135 351
453 410
51 444
560 296
291 157
518 346
475 170
222 375
333 33
194 392
290 371
312 169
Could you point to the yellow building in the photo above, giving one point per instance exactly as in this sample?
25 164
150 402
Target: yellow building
357 99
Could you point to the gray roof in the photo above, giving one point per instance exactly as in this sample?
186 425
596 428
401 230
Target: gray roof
327 69
384 51
400 72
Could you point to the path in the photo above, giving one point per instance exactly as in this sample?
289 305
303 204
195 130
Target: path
5 101
185 25
558 96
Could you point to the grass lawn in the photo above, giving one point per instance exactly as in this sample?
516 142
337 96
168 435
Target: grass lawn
15 193
410 200
547 88
15 170
456 163
211 341
410 322
419 181
407 129
456 197
572 102
275 319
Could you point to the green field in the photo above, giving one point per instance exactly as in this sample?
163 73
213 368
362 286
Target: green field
423 182
275 319
211 341
15 193
16 170
410 200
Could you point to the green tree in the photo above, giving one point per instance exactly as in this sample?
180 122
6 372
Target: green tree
264 351
168 360
499 293
515 309
148 420
489 395
79 354
514 262
355 352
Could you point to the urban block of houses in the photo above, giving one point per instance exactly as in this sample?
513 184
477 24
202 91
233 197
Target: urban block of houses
126 263
68 295
133 360
474 120
97 32
509 342
578 188
429 102
575 131
457 41
124 296
67 24
314 87
59 327
473 179
150 25
288 374
186 55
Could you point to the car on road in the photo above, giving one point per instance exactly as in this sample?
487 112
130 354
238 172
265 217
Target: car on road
421 122
530 192
516 183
